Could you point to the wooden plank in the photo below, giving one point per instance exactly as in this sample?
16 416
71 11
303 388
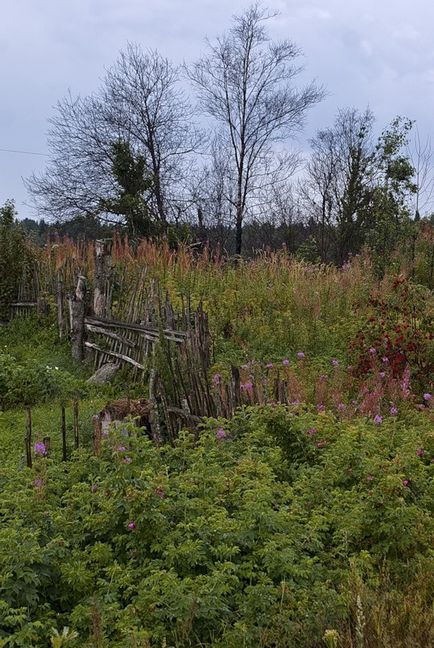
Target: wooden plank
121 356
148 330
114 336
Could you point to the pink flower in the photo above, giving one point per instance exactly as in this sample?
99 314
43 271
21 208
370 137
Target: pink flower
269 365
311 431
420 452
40 449
220 434
372 351
335 362
342 407
216 379
320 407
131 526
382 374
427 396
393 410
127 460
378 420
406 482
285 362
385 359
370 477
160 492
301 355
295 402
247 386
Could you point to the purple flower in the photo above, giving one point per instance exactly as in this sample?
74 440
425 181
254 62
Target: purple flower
372 351
131 526
160 492
38 483
406 482
427 396
220 434
40 449
393 410
121 449
335 362
127 460
301 355
285 362
247 386
382 375
378 420
295 402
420 452
370 477
269 365
216 379
322 377
320 407
385 360
342 407
311 431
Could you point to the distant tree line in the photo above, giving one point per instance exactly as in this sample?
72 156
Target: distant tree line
220 167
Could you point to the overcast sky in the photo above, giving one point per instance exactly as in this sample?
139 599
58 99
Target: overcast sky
365 52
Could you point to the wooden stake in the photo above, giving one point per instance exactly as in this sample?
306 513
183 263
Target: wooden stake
28 437
63 429
75 424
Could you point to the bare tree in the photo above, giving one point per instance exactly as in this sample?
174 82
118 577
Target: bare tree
139 103
339 174
421 155
246 84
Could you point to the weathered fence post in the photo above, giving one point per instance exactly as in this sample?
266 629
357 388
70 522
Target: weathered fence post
97 434
63 430
77 307
28 437
101 293
75 424
59 301
47 443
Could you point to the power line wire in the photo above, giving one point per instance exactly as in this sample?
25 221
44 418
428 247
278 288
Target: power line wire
23 152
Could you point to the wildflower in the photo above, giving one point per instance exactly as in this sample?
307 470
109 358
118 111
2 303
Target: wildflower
121 449
247 386
94 488
220 434
342 407
406 482
216 379
40 449
393 410
295 402
350 368
269 365
427 396
160 492
320 408
372 350
321 444
335 362
285 362
38 483
378 419
370 477
311 431
131 526
301 355
127 460
420 452
382 375
322 377
385 360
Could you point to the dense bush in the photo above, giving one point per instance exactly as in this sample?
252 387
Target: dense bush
266 531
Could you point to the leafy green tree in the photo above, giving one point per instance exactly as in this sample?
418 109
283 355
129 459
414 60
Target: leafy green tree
133 184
